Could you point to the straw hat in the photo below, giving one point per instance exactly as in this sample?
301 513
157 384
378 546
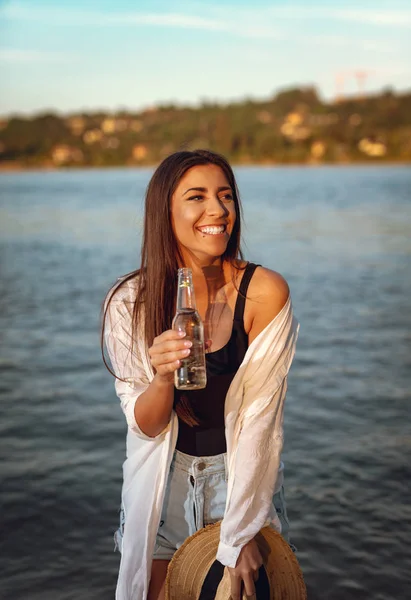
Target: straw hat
195 574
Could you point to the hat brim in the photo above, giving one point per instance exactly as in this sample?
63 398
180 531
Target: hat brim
188 570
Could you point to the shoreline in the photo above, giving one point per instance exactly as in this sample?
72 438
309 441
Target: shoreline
19 168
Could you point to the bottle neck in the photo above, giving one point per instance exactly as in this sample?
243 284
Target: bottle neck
185 290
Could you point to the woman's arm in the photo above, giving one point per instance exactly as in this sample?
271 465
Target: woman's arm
260 441
152 410
146 397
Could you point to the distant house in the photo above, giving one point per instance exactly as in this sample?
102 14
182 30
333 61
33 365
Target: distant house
108 125
76 125
139 152
111 125
63 154
372 148
317 149
92 136
294 128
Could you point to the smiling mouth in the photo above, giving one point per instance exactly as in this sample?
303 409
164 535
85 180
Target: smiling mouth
213 229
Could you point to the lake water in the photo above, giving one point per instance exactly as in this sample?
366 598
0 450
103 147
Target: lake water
342 238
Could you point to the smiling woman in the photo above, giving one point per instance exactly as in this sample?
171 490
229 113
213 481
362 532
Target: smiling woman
203 212
209 455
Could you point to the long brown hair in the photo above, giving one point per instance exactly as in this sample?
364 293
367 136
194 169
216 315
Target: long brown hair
160 255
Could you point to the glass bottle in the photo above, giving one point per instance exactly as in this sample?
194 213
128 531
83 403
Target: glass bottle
191 375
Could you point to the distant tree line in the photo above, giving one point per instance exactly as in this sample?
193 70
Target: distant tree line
295 126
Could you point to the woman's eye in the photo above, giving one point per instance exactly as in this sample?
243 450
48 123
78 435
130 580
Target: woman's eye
195 197
227 197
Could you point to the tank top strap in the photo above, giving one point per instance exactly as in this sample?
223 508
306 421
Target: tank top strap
242 292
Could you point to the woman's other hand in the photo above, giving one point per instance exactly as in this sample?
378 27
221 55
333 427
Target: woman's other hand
245 571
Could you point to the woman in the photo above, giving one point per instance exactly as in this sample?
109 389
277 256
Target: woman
206 455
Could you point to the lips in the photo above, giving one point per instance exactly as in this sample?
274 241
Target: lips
213 229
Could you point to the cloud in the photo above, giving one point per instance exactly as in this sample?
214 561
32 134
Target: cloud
18 10
275 23
84 18
400 18
392 17
15 55
393 70
247 22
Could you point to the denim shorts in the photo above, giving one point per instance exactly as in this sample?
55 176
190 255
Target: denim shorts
195 497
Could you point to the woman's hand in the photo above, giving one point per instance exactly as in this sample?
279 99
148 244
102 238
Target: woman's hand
166 353
245 571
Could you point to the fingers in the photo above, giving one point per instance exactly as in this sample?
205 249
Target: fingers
246 571
249 586
170 334
235 587
167 358
169 341
168 350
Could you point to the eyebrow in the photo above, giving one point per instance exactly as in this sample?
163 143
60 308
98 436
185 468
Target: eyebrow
203 189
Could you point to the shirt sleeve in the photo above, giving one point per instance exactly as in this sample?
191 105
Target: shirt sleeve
257 455
124 356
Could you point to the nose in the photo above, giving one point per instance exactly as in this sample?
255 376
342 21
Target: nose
216 207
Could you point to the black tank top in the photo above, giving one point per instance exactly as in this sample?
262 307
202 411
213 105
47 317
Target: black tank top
207 438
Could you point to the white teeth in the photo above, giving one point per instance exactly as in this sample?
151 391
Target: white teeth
213 230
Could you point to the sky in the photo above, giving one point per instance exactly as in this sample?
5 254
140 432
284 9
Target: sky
90 55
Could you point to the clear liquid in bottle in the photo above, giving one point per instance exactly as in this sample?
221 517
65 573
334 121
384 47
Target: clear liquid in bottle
191 375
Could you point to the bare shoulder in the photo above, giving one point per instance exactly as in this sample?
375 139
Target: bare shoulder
267 294
268 287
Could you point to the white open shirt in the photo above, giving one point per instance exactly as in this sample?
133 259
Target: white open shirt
254 408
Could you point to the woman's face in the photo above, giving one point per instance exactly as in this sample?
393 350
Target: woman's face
203 213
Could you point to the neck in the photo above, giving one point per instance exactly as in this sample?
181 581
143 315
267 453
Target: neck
215 279
209 273
201 264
